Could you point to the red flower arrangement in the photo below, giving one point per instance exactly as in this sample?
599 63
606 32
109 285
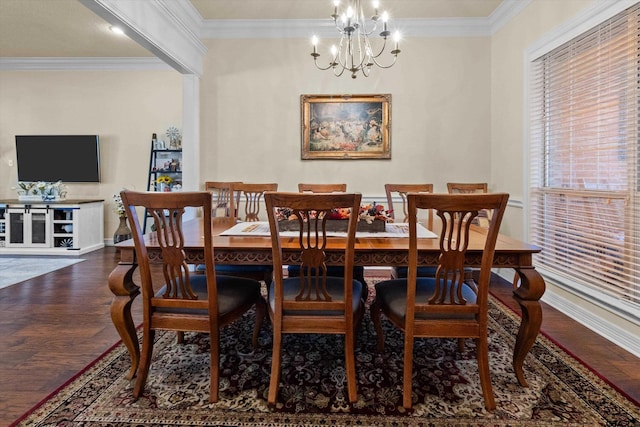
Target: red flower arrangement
368 213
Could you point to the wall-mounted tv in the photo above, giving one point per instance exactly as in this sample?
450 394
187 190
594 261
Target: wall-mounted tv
66 158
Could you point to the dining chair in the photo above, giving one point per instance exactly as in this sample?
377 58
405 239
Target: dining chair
471 188
250 197
332 270
314 302
401 190
322 188
444 305
223 204
467 187
483 217
182 301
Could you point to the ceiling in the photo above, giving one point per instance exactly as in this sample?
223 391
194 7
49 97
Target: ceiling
66 28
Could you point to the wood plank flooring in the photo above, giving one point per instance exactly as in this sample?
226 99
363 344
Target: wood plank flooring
56 324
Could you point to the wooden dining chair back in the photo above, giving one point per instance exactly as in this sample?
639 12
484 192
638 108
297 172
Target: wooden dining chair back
251 195
314 302
322 188
176 299
467 187
335 270
444 305
483 217
223 204
401 190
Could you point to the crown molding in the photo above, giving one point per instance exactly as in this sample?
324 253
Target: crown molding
84 64
504 13
409 27
304 28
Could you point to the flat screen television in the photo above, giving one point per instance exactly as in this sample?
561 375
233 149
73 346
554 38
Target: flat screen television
66 158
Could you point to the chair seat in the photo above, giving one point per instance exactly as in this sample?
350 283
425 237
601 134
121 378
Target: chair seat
332 270
335 287
233 292
401 272
392 295
230 269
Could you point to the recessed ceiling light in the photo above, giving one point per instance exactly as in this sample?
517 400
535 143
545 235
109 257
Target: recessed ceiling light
117 30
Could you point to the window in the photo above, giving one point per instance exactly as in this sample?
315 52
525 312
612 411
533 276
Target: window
584 162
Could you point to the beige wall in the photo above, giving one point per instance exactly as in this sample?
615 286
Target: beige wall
123 107
250 114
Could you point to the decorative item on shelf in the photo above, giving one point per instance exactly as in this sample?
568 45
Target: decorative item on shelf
123 232
175 139
156 143
41 190
164 182
66 243
371 218
355 50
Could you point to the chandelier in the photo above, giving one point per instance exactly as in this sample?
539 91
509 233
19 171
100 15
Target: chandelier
355 52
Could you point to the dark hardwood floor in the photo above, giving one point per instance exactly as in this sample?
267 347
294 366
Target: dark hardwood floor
56 324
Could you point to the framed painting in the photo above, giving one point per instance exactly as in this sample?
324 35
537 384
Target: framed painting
346 126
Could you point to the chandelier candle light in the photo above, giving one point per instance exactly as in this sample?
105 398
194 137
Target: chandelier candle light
355 51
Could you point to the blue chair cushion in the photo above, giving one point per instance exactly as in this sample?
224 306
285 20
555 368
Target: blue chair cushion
422 271
229 269
335 287
332 270
233 292
392 294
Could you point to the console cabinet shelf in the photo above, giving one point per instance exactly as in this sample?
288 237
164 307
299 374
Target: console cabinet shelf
64 227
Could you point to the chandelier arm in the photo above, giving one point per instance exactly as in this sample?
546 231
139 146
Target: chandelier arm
361 58
381 51
395 57
319 67
338 74
339 59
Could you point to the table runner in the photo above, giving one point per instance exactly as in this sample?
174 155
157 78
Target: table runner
261 228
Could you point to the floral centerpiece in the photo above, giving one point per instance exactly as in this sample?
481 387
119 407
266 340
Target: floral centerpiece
119 206
41 190
371 218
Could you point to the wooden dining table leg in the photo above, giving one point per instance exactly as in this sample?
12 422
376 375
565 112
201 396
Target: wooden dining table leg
527 295
125 291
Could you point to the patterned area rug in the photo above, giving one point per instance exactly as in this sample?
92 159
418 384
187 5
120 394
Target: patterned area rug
313 392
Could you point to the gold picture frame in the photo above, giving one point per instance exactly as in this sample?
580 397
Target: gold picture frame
346 126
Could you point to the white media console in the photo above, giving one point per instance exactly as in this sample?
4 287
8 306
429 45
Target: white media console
59 227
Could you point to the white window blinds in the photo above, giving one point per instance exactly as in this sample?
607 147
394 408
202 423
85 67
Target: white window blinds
584 179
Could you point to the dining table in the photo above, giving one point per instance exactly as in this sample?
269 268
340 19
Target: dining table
371 250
